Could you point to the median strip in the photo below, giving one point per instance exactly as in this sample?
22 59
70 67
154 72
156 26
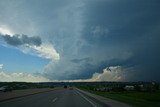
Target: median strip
22 93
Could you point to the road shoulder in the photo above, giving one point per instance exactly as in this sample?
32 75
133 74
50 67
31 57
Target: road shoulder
107 101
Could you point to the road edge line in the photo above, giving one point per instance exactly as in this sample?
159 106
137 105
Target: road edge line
86 99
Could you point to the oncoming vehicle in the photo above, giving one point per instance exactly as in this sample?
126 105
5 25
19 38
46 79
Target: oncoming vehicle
5 88
65 86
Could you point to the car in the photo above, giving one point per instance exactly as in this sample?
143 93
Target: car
65 86
5 88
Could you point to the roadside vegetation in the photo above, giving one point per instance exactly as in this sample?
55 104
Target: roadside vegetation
148 96
24 85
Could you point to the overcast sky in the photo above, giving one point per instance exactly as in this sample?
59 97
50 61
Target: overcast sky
79 40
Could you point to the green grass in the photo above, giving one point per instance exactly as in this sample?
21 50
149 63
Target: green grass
136 99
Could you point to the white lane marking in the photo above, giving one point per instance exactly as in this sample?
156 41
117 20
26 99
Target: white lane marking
54 100
86 99
75 93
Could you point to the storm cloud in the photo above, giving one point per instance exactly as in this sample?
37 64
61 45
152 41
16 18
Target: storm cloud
114 33
17 40
89 36
81 60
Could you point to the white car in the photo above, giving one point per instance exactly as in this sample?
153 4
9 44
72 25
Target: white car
5 88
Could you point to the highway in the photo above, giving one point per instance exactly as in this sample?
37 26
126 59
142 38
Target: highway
58 98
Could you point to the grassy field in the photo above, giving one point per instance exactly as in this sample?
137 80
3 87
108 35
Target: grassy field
136 99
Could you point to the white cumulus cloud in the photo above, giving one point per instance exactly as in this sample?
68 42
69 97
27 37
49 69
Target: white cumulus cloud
1 66
113 73
45 51
5 31
21 77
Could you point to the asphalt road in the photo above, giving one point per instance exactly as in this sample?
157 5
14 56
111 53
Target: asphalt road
57 98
